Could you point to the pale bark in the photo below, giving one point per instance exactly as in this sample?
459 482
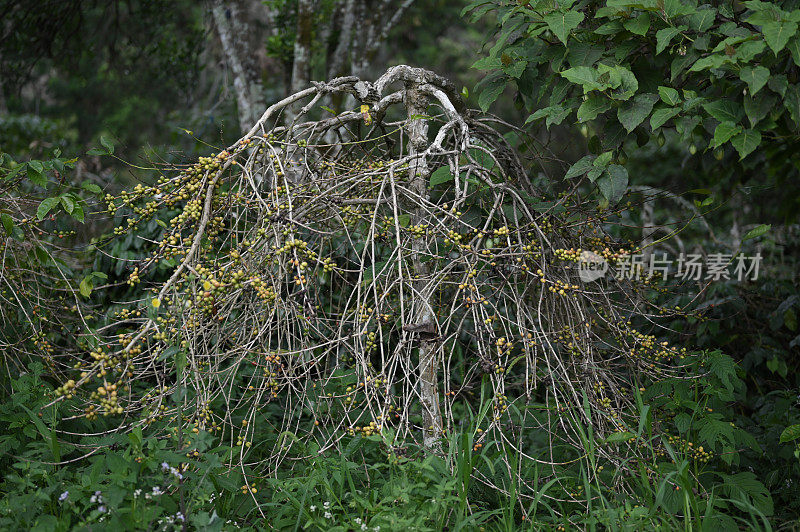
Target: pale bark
232 28
417 105
301 66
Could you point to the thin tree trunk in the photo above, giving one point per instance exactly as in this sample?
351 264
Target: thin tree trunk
301 67
231 29
417 105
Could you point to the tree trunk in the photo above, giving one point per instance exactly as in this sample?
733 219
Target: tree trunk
232 28
416 105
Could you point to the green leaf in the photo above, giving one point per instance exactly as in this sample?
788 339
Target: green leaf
792 103
440 175
8 223
755 78
778 83
562 23
757 108
669 96
757 231
790 433
618 437
724 110
68 203
748 487
664 36
746 141
794 48
638 25
86 286
723 133
91 187
701 20
36 174
633 113
778 33
585 76
46 206
661 116
77 213
581 167
595 104
492 91
613 183
555 114
107 144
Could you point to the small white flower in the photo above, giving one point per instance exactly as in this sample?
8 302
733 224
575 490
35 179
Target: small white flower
357 520
327 504
328 515
364 526
63 496
312 508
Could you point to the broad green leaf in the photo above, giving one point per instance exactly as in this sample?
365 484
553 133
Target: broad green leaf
36 175
757 231
86 286
661 116
676 8
609 28
790 433
613 183
778 83
669 96
107 144
703 18
581 167
595 104
709 62
91 187
723 133
685 125
440 175
746 141
618 437
493 89
724 110
777 34
755 77
555 114
68 203
603 160
46 206
791 101
664 37
794 48
757 108
491 92
638 25
633 113
562 23
585 76
8 223
77 213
